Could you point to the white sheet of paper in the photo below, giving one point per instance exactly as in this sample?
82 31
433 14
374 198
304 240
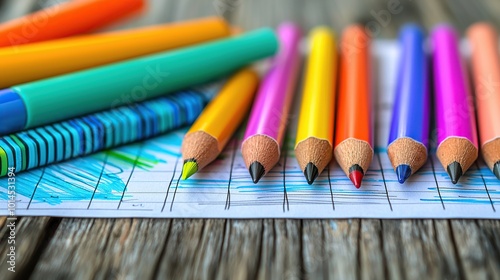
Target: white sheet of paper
143 180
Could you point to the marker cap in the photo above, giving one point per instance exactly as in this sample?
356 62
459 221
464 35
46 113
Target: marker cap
12 112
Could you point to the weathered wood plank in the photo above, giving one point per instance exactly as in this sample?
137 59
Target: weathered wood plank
415 249
180 249
371 255
32 235
491 231
446 249
475 251
241 250
391 249
103 249
415 263
438 258
280 254
313 249
3 228
341 248
206 259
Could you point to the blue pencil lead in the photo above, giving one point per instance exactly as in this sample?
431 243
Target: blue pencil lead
403 172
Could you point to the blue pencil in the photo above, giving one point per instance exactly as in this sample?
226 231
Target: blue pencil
408 139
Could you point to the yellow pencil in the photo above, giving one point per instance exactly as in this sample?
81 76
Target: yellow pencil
214 127
313 148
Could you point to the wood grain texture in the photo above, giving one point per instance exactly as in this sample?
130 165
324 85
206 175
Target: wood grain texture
103 249
313 249
341 248
32 236
2 223
53 248
371 254
241 250
280 251
414 250
478 258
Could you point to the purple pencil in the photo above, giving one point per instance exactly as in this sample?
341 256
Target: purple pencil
266 127
455 122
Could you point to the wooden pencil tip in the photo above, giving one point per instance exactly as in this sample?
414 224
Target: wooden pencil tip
356 174
189 168
311 173
256 171
403 172
454 171
496 169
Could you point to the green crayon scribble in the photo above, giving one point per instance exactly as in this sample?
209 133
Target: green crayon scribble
142 162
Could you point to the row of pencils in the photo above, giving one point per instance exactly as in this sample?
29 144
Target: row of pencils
336 117
66 96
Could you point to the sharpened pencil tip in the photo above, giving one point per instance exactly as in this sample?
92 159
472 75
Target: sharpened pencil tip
454 171
311 173
256 171
356 174
189 168
403 172
496 169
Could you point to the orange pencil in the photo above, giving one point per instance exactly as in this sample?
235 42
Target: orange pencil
353 135
41 60
486 71
66 19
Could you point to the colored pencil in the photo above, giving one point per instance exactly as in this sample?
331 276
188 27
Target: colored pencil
353 134
32 62
66 19
486 72
100 131
208 136
455 122
79 93
265 132
313 148
409 134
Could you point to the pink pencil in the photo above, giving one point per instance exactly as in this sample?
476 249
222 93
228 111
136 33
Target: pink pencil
266 127
455 122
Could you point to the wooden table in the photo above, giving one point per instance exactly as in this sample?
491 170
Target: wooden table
55 248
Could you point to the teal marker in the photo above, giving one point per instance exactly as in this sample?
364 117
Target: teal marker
80 93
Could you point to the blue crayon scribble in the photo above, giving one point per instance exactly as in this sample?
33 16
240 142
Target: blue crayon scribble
70 181
460 200
76 180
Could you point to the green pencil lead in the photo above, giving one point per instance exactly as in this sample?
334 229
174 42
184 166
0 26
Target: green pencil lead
188 169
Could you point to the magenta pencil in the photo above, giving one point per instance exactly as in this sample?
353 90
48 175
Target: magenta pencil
267 123
455 122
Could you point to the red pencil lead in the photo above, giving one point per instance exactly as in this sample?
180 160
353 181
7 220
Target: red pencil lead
356 177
